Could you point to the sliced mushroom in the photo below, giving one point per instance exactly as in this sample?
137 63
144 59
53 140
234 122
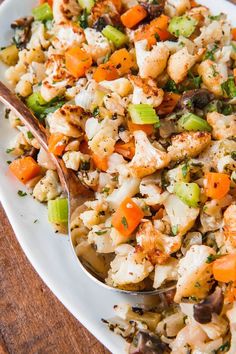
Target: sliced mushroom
202 312
153 10
102 22
145 342
22 28
195 99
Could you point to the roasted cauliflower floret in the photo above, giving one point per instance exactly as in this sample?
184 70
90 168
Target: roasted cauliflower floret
57 78
67 36
104 139
180 214
115 104
151 63
66 120
121 86
97 45
38 38
213 75
179 64
231 314
230 224
223 126
73 159
151 191
216 31
128 267
147 158
65 10
101 238
165 272
48 187
176 7
146 91
188 144
194 269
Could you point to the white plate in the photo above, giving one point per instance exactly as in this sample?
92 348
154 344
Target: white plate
49 253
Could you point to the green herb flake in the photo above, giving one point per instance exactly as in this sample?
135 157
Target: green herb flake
171 86
224 347
7 112
99 233
8 162
30 135
213 257
197 285
106 190
215 18
124 222
185 170
8 151
233 155
175 229
83 19
35 221
96 111
21 193
229 88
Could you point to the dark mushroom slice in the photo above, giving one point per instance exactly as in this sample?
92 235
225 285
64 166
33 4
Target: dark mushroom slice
22 31
145 342
153 10
192 99
102 22
202 312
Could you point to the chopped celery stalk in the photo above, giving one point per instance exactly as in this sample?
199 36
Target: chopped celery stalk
86 4
189 193
58 210
114 35
9 55
182 26
229 88
36 102
143 114
190 121
43 12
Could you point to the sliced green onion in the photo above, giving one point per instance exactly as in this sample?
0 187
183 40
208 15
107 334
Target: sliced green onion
182 26
86 4
113 34
43 12
190 121
58 210
189 193
143 114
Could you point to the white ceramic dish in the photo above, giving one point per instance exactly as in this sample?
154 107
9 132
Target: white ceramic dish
49 253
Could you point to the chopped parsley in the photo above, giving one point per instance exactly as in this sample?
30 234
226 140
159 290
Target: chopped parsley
9 162
196 80
233 155
106 190
213 257
171 86
30 135
35 221
83 19
96 111
21 193
197 285
99 233
7 112
185 169
175 229
224 347
124 222
8 151
215 18
210 54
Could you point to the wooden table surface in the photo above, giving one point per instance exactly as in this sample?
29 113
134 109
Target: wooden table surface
32 320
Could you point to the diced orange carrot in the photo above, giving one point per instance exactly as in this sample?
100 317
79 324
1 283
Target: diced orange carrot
126 149
193 3
146 128
133 16
155 31
77 61
117 4
216 185
127 217
105 71
25 168
57 143
100 162
233 31
230 293
122 60
50 2
169 103
224 268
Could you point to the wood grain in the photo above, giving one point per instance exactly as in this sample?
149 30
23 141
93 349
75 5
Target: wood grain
32 320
